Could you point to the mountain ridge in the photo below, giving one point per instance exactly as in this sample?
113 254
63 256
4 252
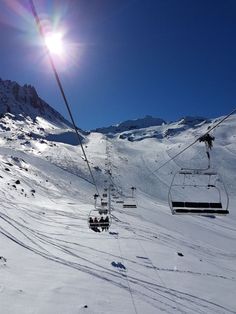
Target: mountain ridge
136 125
23 101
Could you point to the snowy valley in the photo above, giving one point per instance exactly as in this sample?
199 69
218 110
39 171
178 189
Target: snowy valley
149 261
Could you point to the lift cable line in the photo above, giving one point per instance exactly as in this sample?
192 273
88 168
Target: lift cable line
199 138
41 31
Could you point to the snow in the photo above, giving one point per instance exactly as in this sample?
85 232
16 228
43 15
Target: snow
148 262
131 125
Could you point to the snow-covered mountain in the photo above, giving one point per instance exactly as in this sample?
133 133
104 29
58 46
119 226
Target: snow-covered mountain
149 261
150 127
161 131
24 116
131 125
23 101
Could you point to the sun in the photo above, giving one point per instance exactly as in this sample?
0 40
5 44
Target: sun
54 43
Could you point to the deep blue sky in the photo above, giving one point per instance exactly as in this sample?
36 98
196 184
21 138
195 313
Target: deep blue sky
166 58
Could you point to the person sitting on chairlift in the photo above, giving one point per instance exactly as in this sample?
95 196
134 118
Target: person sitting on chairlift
102 223
90 221
106 223
95 225
91 224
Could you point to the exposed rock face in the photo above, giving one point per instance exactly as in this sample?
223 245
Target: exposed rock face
24 101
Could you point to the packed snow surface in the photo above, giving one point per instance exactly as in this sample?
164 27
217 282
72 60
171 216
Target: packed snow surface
149 261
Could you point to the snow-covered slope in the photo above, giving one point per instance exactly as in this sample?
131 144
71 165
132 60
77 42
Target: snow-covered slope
149 261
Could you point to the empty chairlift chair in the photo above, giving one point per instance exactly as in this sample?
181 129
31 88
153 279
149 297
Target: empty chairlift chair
125 205
129 203
104 199
198 192
120 202
104 202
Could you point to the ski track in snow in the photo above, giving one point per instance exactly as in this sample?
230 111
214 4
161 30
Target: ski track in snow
155 293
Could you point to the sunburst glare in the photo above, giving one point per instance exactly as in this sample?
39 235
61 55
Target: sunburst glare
54 43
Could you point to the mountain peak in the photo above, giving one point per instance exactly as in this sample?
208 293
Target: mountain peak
127 125
24 101
192 120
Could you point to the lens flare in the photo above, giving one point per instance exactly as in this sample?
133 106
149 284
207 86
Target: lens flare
54 43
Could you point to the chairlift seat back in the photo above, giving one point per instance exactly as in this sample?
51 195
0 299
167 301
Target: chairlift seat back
129 206
104 203
199 208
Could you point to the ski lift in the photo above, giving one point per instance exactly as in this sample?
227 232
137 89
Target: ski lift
130 200
198 191
129 203
125 205
104 199
104 203
99 218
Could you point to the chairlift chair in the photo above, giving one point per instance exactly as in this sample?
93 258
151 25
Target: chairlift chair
129 203
104 203
112 188
125 205
130 200
198 192
120 202
99 220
